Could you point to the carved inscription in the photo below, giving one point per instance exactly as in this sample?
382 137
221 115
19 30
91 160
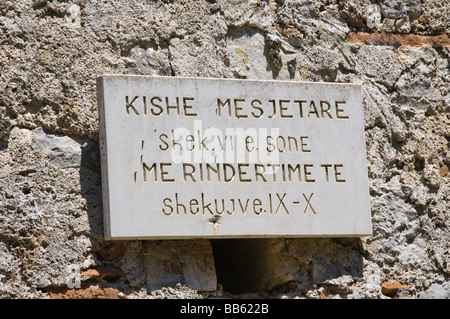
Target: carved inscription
223 172
203 157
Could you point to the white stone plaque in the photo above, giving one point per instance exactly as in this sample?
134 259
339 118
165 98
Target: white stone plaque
222 158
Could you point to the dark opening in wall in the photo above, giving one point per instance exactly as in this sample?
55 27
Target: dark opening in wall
242 265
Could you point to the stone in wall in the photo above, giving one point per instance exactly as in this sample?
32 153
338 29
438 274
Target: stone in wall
187 262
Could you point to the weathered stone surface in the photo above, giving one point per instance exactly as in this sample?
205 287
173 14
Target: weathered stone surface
390 8
50 200
102 272
89 292
188 262
111 251
252 265
390 287
434 17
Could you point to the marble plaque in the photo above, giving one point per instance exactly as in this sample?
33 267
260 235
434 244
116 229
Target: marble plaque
225 158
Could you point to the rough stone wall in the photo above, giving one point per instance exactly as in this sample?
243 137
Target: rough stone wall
50 188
